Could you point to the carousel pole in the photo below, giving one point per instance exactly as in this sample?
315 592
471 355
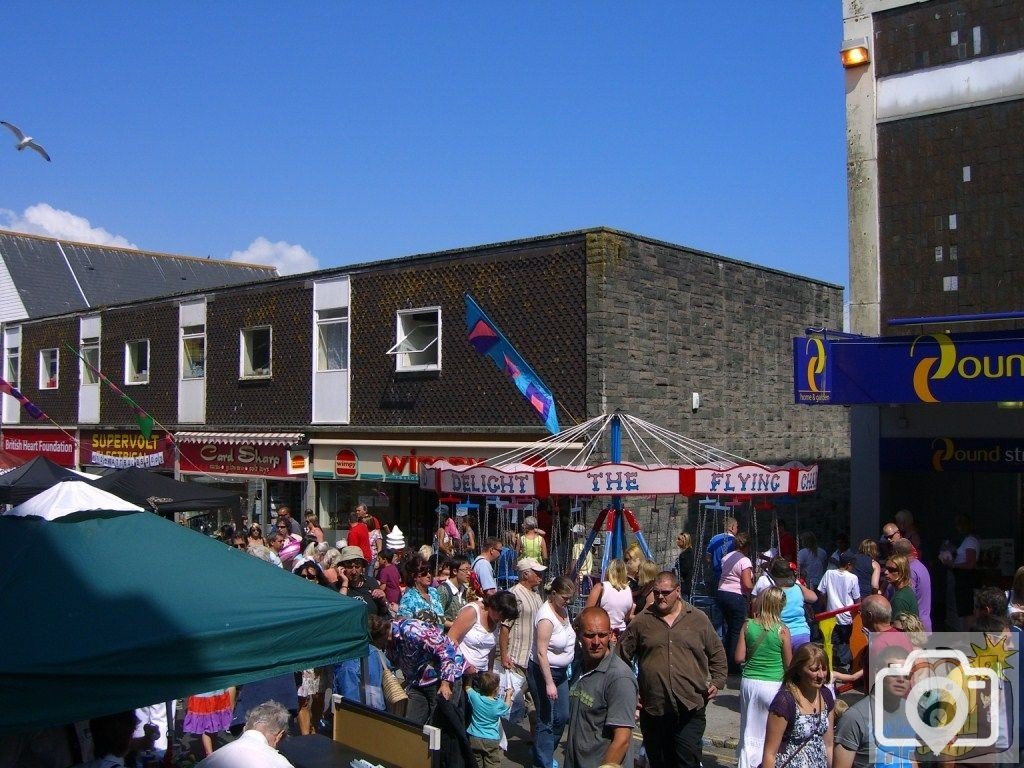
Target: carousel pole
619 533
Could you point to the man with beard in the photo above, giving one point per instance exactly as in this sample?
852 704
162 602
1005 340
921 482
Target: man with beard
602 699
353 582
677 651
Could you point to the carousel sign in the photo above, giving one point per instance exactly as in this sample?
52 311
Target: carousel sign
481 479
613 479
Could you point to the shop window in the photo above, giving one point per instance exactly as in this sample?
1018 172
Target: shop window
136 362
193 352
90 360
255 353
49 367
419 340
332 339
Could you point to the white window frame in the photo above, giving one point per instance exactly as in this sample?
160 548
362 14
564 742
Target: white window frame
245 343
129 369
88 344
187 335
403 350
14 379
337 316
44 369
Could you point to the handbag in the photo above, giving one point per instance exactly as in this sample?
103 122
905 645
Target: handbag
394 693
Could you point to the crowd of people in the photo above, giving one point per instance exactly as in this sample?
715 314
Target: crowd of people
471 633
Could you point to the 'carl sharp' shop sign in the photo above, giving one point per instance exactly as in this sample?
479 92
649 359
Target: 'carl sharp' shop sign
489 481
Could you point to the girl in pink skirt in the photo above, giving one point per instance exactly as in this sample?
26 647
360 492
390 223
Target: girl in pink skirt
209 713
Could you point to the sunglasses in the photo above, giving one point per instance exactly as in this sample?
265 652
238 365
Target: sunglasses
891 569
891 536
239 546
663 592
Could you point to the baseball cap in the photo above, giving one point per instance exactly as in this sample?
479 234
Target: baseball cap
578 528
846 558
530 564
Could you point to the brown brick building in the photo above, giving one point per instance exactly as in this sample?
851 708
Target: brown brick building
325 390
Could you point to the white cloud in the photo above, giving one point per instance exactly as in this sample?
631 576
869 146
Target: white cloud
44 219
287 258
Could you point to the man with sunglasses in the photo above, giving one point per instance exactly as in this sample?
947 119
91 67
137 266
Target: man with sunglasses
677 651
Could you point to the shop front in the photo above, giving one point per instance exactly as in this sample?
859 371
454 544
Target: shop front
384 475
270 469
937 428
56 445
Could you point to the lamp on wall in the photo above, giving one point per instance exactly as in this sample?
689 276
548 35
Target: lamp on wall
855 53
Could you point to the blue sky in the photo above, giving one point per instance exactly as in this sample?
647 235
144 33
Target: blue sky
329 133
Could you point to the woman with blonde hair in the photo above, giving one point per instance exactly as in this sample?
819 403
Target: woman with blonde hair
614 596
765 650
684 564
801 717
645 577
903 600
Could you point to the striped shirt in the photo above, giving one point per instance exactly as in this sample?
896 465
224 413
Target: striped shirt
520 631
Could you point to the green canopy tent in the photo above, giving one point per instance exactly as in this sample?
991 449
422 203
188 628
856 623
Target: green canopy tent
109 611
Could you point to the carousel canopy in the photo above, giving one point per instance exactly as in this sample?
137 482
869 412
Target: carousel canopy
689 468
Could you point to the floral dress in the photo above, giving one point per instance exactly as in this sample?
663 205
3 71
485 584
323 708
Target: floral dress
802 743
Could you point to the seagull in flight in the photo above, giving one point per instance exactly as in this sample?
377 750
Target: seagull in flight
25 141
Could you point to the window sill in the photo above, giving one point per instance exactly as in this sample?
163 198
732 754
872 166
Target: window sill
135 383
260 377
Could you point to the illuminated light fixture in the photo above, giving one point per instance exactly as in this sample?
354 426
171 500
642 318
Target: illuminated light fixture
854 53
1010 404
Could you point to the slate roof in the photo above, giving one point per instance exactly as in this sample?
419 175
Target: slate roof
55 276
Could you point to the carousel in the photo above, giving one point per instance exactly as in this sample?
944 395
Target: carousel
670 482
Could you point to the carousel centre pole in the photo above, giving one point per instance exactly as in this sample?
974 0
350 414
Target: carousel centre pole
619 532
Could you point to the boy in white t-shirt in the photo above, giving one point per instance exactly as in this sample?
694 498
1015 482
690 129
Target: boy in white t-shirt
841 589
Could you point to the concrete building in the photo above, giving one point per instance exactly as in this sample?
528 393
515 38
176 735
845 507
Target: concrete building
333 386
935 115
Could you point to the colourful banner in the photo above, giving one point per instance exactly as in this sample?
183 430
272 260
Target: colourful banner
930 368
488 340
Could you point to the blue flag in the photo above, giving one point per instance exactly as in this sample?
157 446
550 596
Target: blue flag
488 340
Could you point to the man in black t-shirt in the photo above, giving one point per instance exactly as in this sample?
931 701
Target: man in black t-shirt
353 582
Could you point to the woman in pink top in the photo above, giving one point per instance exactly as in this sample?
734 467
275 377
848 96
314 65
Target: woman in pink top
736 584
615 596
